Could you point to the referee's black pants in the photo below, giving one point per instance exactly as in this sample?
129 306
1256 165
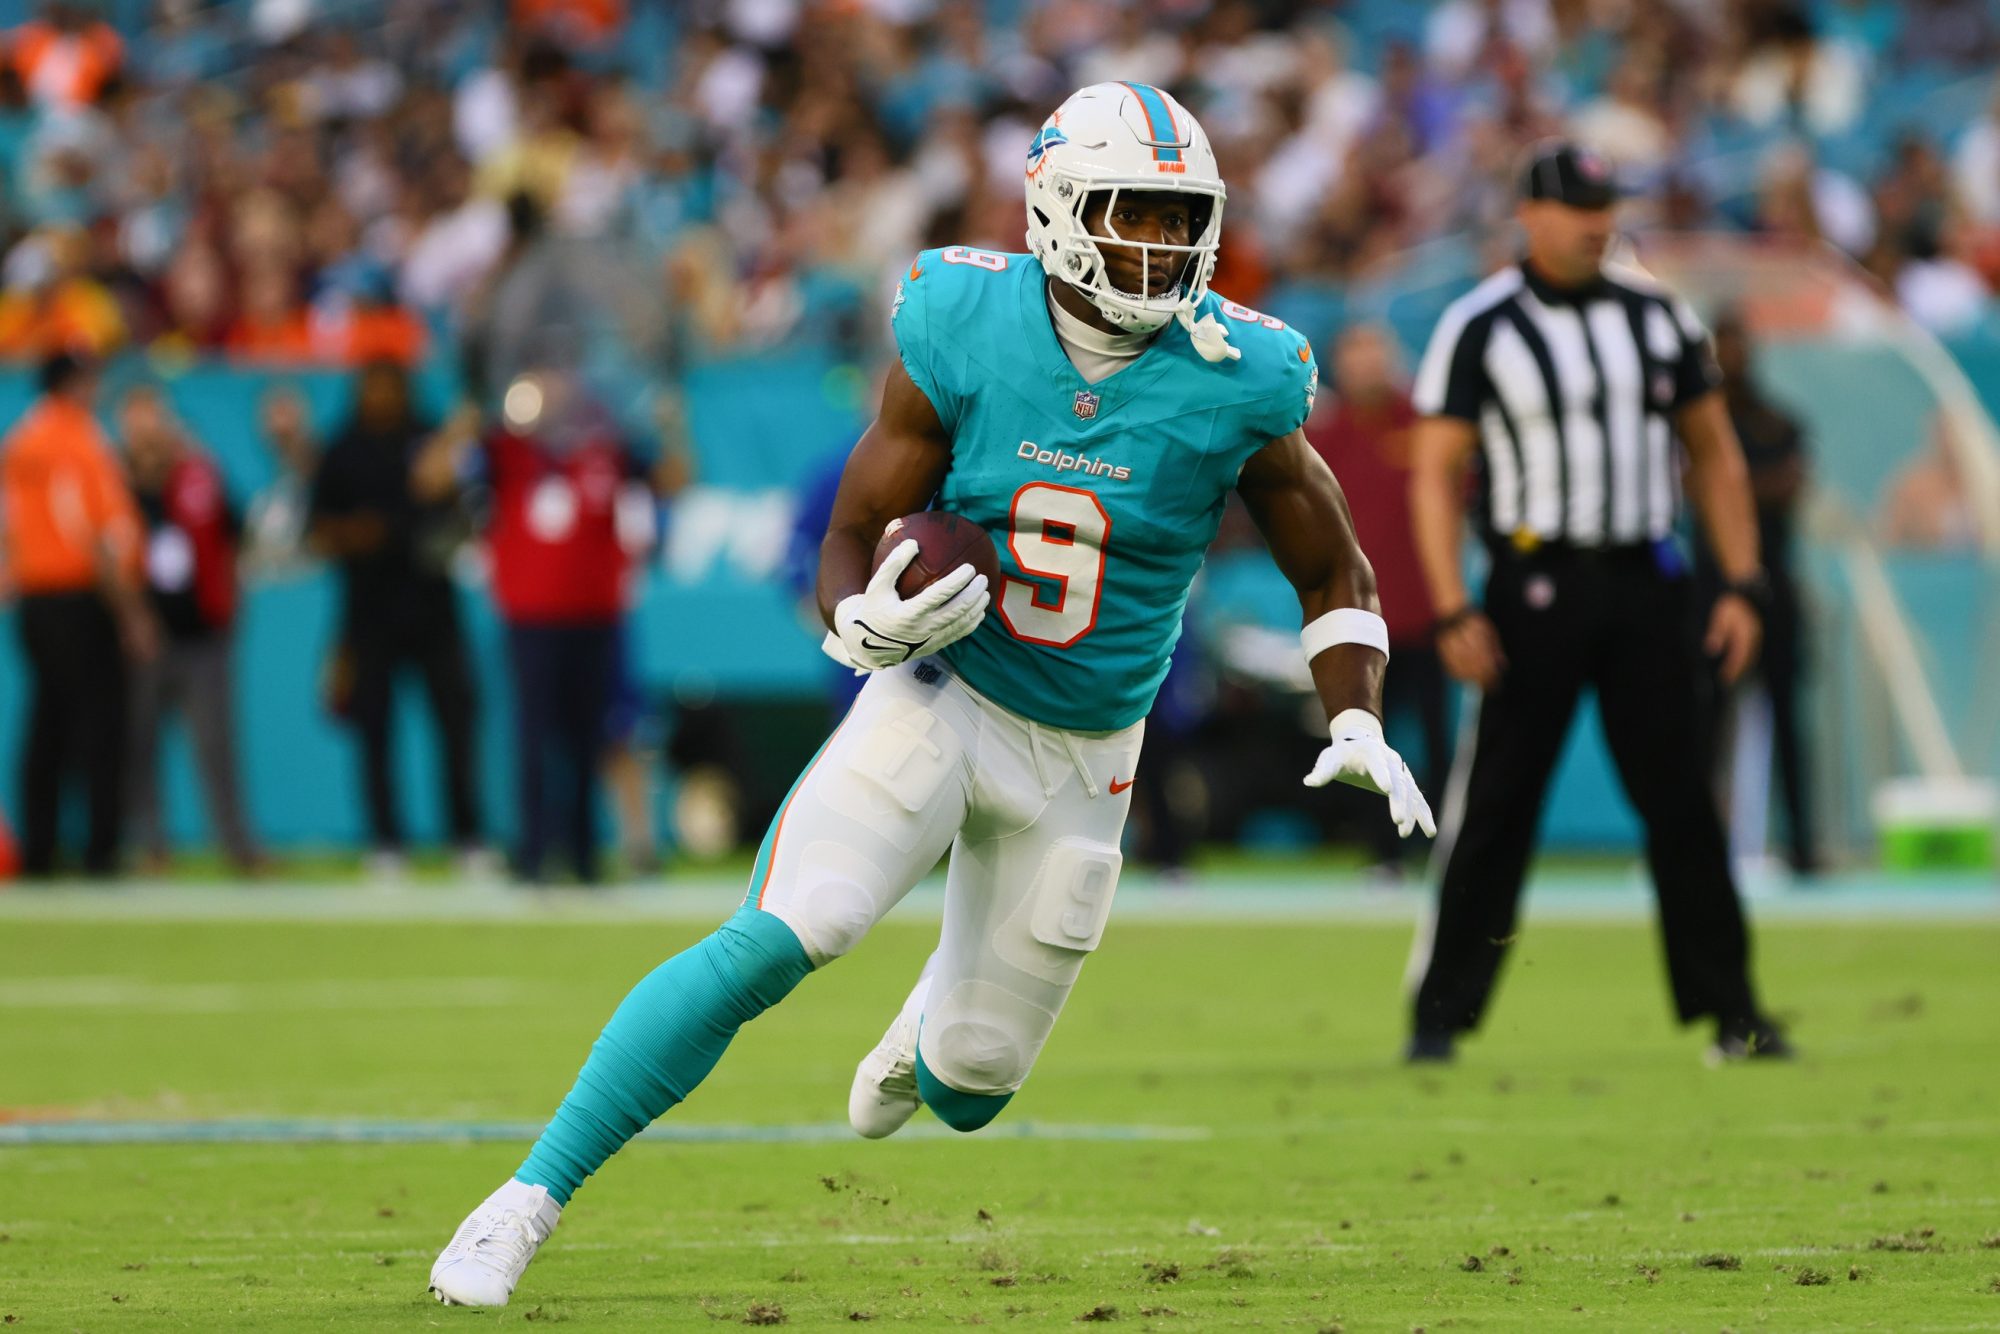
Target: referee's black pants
1567 620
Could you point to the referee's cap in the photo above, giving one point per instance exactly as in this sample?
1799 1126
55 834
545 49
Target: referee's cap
1568 174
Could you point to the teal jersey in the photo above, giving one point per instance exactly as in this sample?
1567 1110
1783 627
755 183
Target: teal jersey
1101 499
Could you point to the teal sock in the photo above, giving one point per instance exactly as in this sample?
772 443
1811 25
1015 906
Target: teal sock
663 1039
960 1111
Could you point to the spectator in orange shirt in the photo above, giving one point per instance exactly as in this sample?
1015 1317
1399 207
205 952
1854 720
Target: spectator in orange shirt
272 326
72 535
66 58
66 308
357 322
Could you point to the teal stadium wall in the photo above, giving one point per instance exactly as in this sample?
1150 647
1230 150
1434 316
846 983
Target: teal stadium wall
714 618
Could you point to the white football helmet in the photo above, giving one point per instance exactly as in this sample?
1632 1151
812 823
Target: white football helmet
1112 137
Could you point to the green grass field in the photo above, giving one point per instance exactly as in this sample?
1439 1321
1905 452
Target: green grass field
1580 1169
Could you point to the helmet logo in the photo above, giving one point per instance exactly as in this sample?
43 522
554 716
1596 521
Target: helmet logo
1049 137
1085 406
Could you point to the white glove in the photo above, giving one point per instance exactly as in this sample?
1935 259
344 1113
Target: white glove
1361 757
879 628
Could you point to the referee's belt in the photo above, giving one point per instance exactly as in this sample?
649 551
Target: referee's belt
1524 548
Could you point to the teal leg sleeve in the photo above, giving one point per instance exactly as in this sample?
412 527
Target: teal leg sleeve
662 1041
960 1111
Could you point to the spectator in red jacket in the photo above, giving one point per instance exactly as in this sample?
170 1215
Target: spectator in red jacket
570 508
190 571
1363 433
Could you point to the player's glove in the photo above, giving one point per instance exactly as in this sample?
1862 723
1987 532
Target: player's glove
878 628
1361 757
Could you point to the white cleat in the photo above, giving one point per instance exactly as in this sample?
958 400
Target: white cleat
884 1095
492 1247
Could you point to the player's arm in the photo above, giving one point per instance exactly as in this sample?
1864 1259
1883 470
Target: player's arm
1468 645
1719 483
1298 506
895 469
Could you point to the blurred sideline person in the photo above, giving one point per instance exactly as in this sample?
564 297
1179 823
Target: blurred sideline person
399 605
570 507
1364 436
191 540
1569 381
631 730
73 550
1929 505
629 748
1774 451
275 527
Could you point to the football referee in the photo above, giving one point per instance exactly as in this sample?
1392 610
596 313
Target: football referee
1565 385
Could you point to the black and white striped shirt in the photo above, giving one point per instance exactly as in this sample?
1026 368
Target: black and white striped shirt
1573 393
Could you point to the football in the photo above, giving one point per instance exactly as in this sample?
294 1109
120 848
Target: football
944 542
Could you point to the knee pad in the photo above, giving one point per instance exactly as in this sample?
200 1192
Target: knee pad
835 896
981 1038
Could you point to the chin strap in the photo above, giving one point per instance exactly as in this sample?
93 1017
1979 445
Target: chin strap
1208 336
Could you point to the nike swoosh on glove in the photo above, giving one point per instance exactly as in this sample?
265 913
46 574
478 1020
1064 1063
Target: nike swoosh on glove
1360 757
879 628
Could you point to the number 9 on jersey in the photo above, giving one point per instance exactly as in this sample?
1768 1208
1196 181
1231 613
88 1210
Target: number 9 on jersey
1059 535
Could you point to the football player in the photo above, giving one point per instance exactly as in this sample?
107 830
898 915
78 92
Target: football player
1091 404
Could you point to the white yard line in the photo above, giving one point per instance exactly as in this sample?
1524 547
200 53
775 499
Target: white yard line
1611 897
314 1130
138 993
354 1130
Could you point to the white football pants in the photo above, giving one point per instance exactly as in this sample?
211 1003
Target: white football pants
1031 816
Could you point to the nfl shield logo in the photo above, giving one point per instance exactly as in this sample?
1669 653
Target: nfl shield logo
1085 405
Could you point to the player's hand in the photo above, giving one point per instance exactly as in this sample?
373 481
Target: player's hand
1470 649
1735 632
1359 756
878 627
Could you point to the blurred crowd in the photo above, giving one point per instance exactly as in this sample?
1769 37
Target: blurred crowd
332 180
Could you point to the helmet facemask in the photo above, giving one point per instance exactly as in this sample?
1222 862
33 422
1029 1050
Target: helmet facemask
1072 251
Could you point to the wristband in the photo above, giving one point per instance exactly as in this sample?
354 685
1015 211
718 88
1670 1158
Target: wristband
1345 625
